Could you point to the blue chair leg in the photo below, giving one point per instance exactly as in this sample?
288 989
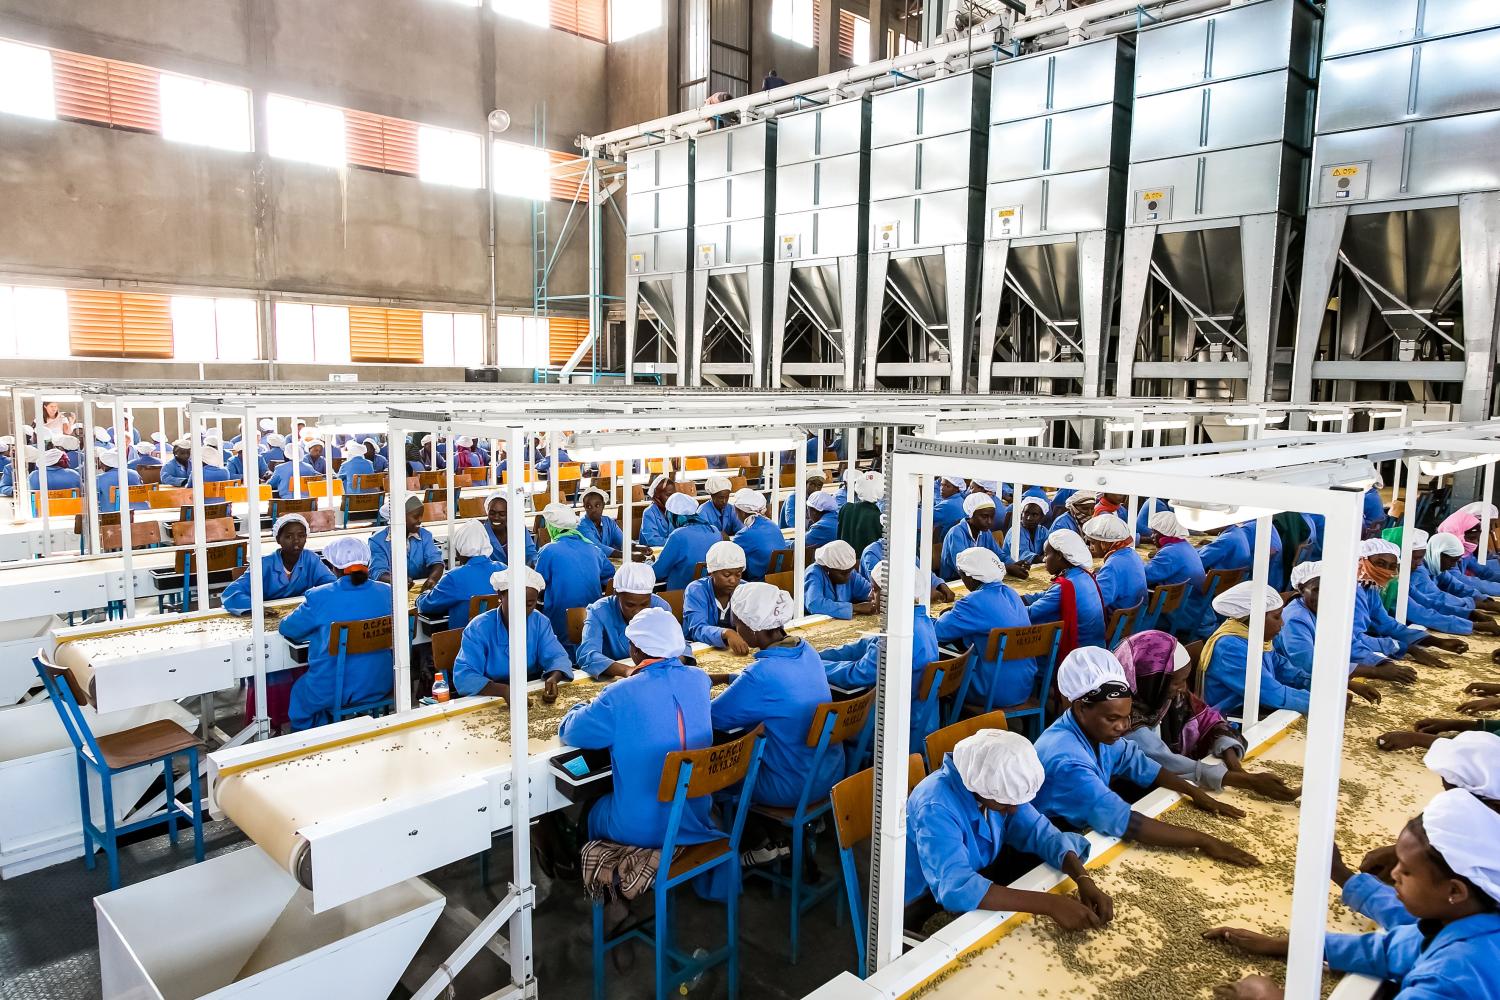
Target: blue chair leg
798 831
662 942
598 950
197 798
111 843
170 791
84 814
732 918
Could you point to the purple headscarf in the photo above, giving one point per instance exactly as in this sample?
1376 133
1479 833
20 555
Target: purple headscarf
1189 726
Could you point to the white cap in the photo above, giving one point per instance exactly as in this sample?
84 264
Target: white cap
500 580
681 505
1067 544
108 458
999 765
286 519
275 441
146 447
824 502
213 458
1470 760
6 441
837 554
1088 668
1036 502
976 502
1080 496
1302 572
981 564
957 482
655 484
635 578
1165 523
749 501
880 574
470 539
717 484
1418 539
464 441
560 516
593 491
1378 547
49 457
724 555
101 435
1464 831
656 633
66 442
213 441
351 449
159 437
1235 602
1105 528
762 606
1479 508
869 487
183 442
267 424
347 551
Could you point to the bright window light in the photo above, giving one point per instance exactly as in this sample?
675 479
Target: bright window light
445 156
205 113
33 322
302 130
26 80
522 171
628 18
523 342
531 11
453 339
207 329
861 54
793 19
309 334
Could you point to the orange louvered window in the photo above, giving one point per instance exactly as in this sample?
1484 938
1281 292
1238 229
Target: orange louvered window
564 334
569 176
589 18
106 91
380 142
392 336
846 33
119 324
817 23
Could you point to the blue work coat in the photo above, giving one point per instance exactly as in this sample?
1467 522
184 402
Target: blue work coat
1031 543
1374 513
1459 961
1122 579
175 473
1174 563
1067 522
759 539
497 545
655 526
484 655
1487 570
1143 515
367 676
836 600
276 583
1230 549
968 623
1224 681
782 687
875 552
950 839
235 468
661 708
786 517
1455 581
422 553
1429 606
1079 771
58 478
576 571
1294 646
281 479
857 664
604 641
947 513
1275 577
1047 606
1370 897
451 595
685 548
606 534
357 466
726 520
703 619
823 531
959 538
1376 633
109 480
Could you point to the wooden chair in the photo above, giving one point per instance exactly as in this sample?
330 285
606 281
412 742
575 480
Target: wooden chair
211 510
241 494
782 561
219 529
944 740
351 638
360 506
445 647
170 497
150 474
470 507
434 512
371 482
222 559
853 819
1021 642
674 601
786 581
1162 600
319 487
480 603
299 505
941 679
143 535
576 618
1120 623
1216 581
432 480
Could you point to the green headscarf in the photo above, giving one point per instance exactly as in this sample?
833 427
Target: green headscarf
1388 595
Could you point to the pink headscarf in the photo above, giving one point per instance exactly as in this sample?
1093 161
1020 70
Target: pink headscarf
1460 524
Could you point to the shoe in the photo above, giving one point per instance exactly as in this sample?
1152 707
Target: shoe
764 855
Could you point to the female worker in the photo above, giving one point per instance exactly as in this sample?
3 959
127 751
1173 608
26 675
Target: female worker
656 523
989 604
352 597
59 477
716 510
235 467
874 554
949 509
450 596
1176 561
1083 752
497 524
822 520
1225 654
782 687
811 486
282 483
691 538
963 816
1375 631
107 483
355 464
1448 879
604 650
1174 727
1074 597
312 452
758 537
213 466
291 571
1122 577
1427 604
374 455
483 663
705 604
1293 644
977 529
1078 507
575 569
1445 555
424 560
598 527
1032 512
835 587
859 520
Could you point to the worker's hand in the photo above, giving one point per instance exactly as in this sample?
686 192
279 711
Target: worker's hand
943 594
1249 941
1487 604
1403 740
1379 862
1486 626
1339 872
1427 658
1071 915
549 688
1368 692
1221 850
1250 988
641 553
1390 670
1480 705
1446 643
1271 786
1483 689
1209 804
1437 727
722 677
735 644
866 607
1095 898
495 689
1018 569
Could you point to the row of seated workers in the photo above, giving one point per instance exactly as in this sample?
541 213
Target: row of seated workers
1147 714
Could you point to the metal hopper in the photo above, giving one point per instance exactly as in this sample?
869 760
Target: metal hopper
659 219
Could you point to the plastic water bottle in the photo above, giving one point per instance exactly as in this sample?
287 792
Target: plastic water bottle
440 687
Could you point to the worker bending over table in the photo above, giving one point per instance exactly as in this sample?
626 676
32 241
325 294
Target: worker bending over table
483 663
1122 577
424 560
706 614
575 569
605 648
1074 598
758 537
687 545
835 587
1294 642
451 595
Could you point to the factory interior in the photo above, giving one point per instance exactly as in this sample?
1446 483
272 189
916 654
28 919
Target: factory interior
663 326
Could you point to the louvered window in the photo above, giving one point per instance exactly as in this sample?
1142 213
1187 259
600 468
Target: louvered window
391 336
106 91
119 324
569 176
564 334
589 18
380 142
854 37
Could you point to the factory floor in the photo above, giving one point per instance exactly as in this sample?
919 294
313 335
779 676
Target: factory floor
48 938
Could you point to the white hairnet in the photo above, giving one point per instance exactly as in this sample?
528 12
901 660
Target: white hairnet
470 539
724 555
1304 571
213 441
981 564
593 491
749 501
1067 544
869 487
824 502
837 554
346 552
957 482
762 606
158 437
1470 760
285 519
560 516
1442 544
146 448
656 633
494 495
1106 528
976 502
49 457
1088 668
716 484
353 449
655 483
682 505
101 435
500 580
999 765
267 424
1464 831
1418 539
213 458
880 574
66 442
108 458
1378 547
464 441
1165 523
1478 509
275 441
635 578
1235 602
1036 502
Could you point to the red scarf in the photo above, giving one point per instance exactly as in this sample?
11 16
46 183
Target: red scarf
1069 607
1105 506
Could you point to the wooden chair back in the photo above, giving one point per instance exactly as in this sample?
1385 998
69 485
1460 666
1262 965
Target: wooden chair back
576 617
854 801
944 740
367 635
432 480
218 529
786 581
362 503
150 474
220 558
470 507
143 535
372 482
953 669
445 647
480 603
240 494
434 512
170 497
674 601
1023 641
1167 597
297 505
211 511
782 561
715 768
852 716
1216 581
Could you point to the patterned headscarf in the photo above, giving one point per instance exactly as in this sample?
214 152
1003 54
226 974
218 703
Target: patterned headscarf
1189 726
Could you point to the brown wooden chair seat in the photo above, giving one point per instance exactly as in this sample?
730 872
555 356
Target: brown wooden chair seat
690 857
149 742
